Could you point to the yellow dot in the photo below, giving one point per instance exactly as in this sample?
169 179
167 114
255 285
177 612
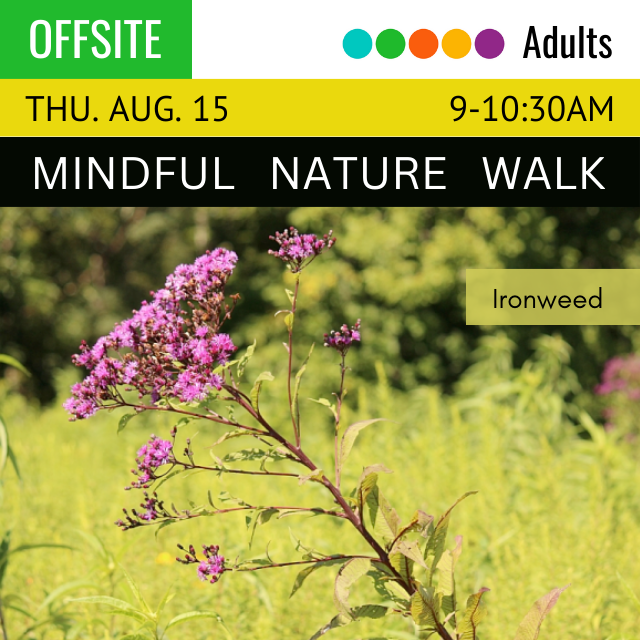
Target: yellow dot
165 558
456 43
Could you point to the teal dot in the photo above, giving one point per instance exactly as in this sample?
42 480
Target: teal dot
390 43
357 44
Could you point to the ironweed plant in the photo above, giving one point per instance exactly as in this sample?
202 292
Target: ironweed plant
172 356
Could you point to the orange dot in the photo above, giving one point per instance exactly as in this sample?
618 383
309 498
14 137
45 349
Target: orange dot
423 43
456 43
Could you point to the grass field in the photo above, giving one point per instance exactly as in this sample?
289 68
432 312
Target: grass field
557 503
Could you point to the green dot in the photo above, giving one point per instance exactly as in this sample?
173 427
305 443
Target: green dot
390 43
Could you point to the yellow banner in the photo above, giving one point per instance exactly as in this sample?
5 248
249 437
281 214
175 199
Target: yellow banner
553 296
319 108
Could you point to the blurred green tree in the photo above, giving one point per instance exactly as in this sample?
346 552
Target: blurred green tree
69 272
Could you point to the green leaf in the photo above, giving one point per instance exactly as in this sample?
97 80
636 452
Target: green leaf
307 571
424 608
403 565
374 611
119 606
384 519
14 462
368 480
446 588
530 626
245 455
4 445
289 319
124 421
473 616
404 555
436 543
258 517
316 475
166 599
198 615
350 435
295 405
135 591
265 376
325 403
421 523
246 356
5 545
64 589
43 545
349 573
290 295
308 553
12 362
238 433
97 545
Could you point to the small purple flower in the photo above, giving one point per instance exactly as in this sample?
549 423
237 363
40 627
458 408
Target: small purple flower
150 457
211 567
343 339
152 509
298 250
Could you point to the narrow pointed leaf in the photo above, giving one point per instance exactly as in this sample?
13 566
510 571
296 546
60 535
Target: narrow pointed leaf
307 571
350 435
446 579
197 615
474 614
325 403
296 388
368 480
258 517
63 589
244 359
436 543
384 519
265 376
168 597
124 421
530 626
12 362
133 587
4 445
119 606
14 462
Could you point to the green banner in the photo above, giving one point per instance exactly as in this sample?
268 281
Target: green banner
79 39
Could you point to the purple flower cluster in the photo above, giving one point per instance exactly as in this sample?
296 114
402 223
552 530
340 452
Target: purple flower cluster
210 568
298 250
621 374
341 340
169 348
154 454
152 509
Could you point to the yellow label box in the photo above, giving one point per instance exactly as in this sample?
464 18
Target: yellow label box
553 296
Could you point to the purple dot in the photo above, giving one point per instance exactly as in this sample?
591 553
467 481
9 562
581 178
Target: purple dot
489 43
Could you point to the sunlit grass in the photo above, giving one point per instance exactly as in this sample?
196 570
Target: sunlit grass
553 508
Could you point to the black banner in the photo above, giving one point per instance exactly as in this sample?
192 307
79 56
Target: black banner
321 171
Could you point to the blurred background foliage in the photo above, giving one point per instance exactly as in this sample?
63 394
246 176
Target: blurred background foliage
67 274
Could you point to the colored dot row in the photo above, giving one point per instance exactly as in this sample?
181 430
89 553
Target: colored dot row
423 43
